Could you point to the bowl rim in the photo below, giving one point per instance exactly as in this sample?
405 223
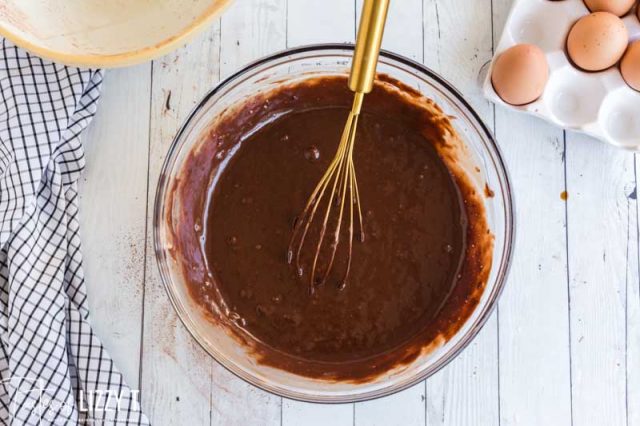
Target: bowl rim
504 263
123 59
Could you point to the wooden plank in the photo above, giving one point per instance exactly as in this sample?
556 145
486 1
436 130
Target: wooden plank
633 306
406 408
535 371
403 35
310 22
113 214
235 402
534 325
249 31
599 180
457 42
296 413
466 391
176 373
403 32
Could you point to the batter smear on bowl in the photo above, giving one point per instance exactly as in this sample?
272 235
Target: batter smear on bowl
415 279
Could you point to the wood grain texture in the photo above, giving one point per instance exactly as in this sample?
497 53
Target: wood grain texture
466 391
251 30
113 194
295 413
535 370
176 373
406 408
457 43
633 306
598 272
534 319
403 32
327 21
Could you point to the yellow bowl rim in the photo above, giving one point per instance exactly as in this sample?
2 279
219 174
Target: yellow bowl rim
125 58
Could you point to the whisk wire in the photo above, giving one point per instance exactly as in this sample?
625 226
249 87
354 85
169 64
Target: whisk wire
330 202
340 175
311 207
357 201
343 178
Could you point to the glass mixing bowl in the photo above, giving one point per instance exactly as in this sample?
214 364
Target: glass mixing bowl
483 164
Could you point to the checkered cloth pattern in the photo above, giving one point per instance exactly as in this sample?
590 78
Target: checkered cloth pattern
53 369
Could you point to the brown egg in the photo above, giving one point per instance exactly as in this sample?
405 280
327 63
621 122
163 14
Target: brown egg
597 41
617 7
520 74
630 65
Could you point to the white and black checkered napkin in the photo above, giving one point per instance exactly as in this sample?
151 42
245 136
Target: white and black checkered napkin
53 370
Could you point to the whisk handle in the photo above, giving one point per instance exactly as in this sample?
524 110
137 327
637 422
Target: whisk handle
365 57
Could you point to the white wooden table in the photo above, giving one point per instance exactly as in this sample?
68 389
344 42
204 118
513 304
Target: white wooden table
563 348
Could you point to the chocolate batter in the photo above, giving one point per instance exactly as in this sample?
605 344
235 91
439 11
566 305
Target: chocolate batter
414 280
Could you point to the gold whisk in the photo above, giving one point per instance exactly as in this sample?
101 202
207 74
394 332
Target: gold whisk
340 176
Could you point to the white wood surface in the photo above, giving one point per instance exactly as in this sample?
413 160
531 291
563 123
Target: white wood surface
563 348
535 369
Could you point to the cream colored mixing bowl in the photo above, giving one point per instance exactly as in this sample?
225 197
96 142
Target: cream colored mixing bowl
104 33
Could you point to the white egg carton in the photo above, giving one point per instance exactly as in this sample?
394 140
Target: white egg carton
599 104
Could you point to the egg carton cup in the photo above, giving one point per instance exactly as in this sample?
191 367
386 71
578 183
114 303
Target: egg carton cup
599 104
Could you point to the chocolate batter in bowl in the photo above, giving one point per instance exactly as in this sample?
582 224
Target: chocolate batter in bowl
437 219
